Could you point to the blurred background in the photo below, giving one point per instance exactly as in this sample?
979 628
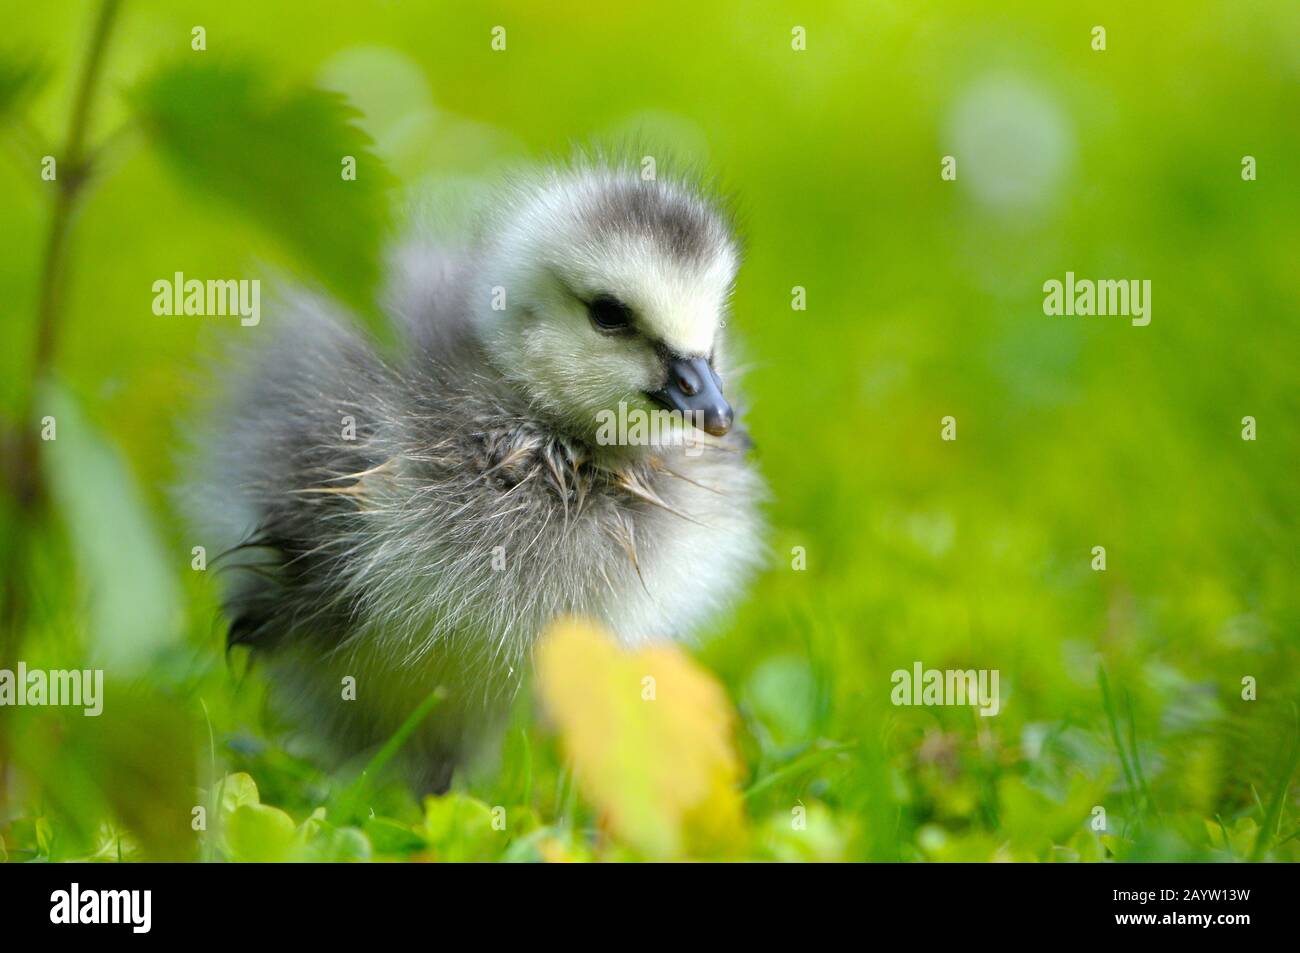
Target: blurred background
1121 689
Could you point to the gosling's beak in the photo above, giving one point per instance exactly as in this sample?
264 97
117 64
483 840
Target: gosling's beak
693 386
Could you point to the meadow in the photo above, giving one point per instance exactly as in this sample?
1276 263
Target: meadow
945 456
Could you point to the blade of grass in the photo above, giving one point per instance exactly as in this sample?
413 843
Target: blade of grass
803 762
1289 837
214 805
1223 829
527 769
1148 801
346 805
1273 817
1108 703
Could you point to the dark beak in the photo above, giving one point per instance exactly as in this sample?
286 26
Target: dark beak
696 390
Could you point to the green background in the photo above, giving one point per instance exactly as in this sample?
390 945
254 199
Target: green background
924 299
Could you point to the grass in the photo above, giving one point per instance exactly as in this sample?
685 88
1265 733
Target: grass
1160 691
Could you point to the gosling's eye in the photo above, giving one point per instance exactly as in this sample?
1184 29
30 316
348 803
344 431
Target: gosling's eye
609 314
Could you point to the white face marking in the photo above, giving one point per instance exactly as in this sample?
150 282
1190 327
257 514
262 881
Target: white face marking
677 304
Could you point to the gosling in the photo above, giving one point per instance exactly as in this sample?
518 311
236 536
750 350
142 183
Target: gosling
407 519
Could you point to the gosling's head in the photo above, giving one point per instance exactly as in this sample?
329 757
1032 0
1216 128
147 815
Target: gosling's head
599 287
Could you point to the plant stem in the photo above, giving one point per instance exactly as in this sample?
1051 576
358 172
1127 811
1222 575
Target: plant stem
26 485
73 175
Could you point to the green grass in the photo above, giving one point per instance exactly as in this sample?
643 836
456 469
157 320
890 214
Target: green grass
1121 689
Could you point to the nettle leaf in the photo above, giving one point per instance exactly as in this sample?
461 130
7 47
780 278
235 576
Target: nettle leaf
277 157
650 737
132 591
21 78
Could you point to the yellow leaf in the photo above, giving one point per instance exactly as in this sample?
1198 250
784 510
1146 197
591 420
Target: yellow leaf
649 735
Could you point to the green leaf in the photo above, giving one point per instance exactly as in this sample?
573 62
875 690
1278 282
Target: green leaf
133 595
460 828
820 838
322 842
21 78
390 837
44 835
783 692
259 833
278 159
237 790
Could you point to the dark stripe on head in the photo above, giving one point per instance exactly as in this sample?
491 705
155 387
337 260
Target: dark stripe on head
684 226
